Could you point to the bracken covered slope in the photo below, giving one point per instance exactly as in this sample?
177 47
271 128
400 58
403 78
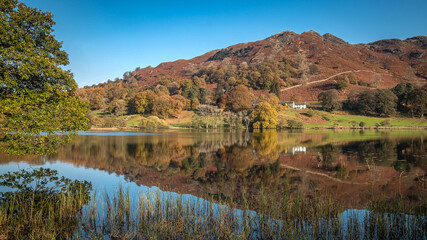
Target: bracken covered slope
386 62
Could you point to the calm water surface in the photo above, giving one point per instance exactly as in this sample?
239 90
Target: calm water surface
351 166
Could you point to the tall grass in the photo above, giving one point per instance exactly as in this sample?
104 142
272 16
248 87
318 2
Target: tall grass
165 215
53 217
161 215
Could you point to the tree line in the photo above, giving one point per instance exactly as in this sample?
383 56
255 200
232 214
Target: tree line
403 98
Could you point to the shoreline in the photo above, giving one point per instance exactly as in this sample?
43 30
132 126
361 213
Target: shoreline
305 128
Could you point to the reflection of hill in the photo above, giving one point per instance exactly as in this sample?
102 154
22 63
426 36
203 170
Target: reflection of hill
233 163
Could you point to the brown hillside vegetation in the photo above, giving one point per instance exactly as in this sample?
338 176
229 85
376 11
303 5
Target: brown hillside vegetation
306 62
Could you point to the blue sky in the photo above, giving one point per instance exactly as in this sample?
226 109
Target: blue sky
105 38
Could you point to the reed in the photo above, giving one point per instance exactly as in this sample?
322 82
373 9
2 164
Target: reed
68 214
165 215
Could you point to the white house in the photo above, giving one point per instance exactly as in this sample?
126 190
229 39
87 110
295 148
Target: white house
294 105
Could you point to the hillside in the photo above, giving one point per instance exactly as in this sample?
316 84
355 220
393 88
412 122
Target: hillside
303 64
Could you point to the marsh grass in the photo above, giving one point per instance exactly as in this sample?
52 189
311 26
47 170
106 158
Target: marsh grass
35 217
165 215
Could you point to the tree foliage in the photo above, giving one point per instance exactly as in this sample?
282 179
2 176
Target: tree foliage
264 116
381 102
36 95
417 102
238 98
330 100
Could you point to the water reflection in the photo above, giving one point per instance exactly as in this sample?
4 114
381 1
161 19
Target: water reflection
351 166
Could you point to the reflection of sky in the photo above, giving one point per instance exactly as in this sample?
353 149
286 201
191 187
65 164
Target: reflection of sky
104 182
111 133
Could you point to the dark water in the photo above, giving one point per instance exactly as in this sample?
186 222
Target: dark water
350 166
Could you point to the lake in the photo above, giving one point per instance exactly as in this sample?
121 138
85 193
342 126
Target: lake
350 166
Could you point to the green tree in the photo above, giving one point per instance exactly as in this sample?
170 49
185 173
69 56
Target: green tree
36 95
417 102
342 83
330 100
275 88
264 116
381 102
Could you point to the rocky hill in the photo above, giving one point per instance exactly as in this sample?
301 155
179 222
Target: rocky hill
309 63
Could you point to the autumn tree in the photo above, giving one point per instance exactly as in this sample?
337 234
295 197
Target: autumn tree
177 105
211 114
330 100
36 94
342 83
238 98
264 116
142 102
162 106
271 99
118 107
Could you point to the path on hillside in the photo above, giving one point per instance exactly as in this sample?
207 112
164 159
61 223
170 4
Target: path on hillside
327 79
323 175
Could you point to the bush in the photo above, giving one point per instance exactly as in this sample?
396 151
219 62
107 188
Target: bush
324 117
113 121
309 113
153 122
353 123
313 69
384 123
362 124
293 124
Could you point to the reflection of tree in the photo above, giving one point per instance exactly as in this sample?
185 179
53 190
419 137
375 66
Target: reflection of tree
328 156
266 145
379 152
410 153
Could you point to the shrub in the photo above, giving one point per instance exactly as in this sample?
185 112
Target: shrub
353 123
153 122
384 123
313 69
342 83
293 124
362 124
113 121
309 113
324 117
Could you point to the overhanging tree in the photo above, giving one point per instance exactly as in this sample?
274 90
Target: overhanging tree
37 96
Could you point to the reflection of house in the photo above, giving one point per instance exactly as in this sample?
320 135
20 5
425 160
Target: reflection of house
294 105
299 149
296 150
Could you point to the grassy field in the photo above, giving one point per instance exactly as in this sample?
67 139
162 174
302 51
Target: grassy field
320 119
311 118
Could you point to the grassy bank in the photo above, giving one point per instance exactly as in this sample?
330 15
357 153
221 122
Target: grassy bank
320 119
311 119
